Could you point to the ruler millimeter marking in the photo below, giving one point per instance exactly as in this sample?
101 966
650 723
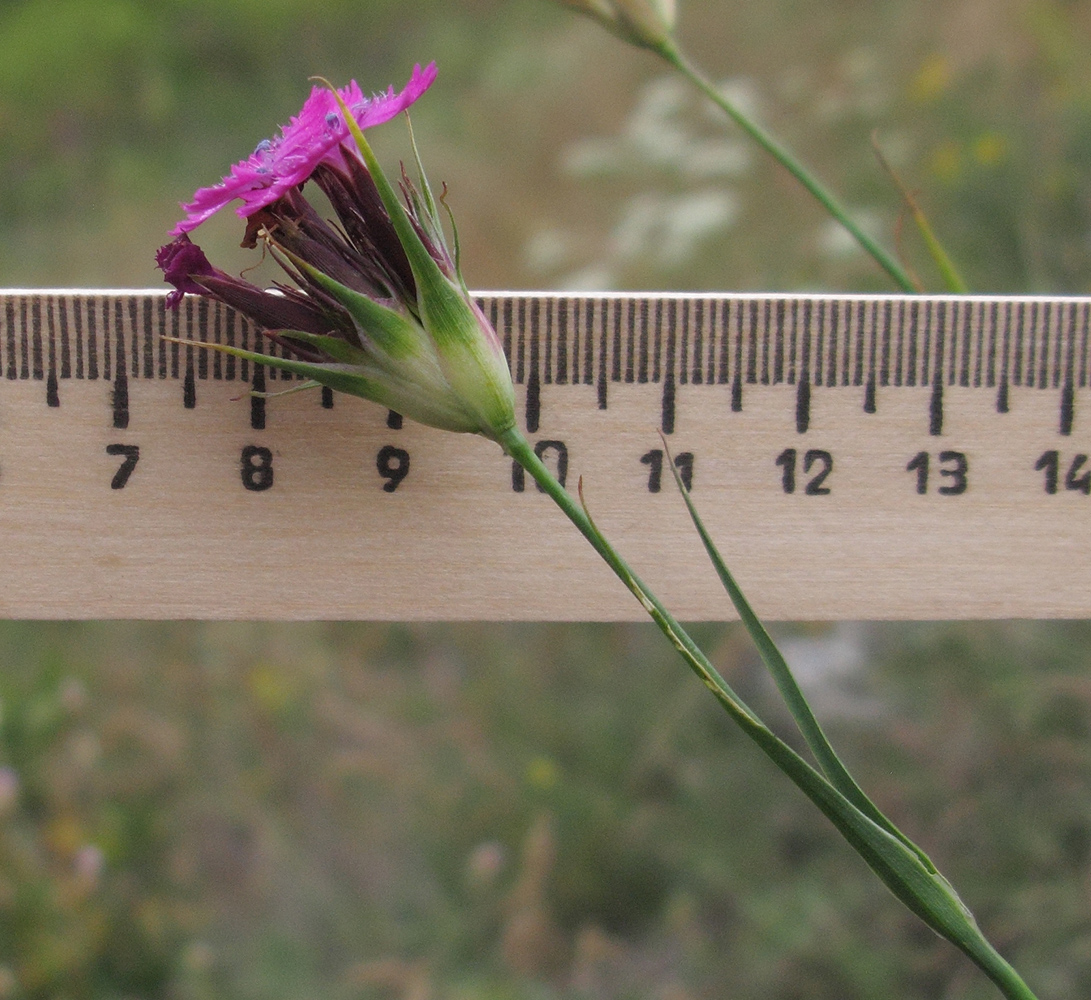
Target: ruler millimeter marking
869 342
937 436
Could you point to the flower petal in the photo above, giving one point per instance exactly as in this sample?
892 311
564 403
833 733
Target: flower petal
179 261
185 266
312 137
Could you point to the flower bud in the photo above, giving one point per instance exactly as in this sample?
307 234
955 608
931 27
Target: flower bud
648 23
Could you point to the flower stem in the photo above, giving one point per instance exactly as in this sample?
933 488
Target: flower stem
787 159
517 446
902 866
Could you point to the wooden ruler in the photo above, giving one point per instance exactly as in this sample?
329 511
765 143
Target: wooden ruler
855 456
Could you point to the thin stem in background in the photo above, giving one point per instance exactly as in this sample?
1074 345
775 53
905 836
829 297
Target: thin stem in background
670 52
952 279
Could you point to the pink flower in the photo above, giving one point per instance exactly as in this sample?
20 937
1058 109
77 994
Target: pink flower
377 307
315 136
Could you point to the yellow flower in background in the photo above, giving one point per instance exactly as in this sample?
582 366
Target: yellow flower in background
932 79
542 773
990 149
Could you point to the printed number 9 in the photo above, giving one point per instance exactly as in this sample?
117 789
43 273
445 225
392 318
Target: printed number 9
393 466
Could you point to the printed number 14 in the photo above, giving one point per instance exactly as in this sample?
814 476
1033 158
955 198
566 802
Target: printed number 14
1075 479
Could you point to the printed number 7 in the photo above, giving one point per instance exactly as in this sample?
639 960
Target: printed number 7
132 456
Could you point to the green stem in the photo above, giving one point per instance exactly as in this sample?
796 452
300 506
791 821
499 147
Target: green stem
902 867
518 448
786 159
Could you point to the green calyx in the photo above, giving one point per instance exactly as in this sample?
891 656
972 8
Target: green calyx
427 404
387 330
403 350
466 348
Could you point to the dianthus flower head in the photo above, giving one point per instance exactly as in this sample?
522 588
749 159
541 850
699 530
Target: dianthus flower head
377 306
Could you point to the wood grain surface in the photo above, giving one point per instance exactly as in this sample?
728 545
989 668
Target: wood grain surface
298 509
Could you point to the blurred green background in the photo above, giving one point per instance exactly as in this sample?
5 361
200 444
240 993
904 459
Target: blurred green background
192 811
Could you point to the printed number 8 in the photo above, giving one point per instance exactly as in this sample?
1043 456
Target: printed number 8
257 468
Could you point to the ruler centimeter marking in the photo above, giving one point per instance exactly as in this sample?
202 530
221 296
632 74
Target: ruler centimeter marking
867 342
730 379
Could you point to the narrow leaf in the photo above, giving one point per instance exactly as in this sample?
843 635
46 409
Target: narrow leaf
786 683
334 377
952 279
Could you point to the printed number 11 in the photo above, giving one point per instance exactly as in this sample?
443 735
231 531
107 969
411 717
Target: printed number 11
654 460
